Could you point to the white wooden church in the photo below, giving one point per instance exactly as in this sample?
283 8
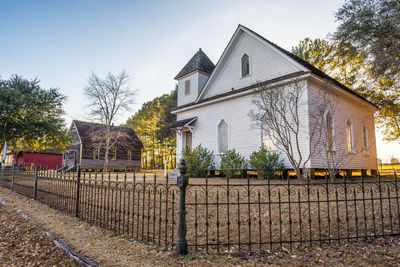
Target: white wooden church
214 102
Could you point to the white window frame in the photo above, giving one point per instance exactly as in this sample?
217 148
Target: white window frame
187 82
351 151
227 136
332 133
241 66
272 142
365 140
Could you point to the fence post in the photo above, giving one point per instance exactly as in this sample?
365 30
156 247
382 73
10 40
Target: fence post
182 181
78 183
12 178
35 183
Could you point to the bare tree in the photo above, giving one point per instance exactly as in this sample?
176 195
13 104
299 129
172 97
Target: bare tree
107 98
281 114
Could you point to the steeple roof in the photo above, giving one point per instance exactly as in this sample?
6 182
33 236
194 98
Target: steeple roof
199 61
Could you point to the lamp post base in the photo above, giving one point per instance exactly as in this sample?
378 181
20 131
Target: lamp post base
181 247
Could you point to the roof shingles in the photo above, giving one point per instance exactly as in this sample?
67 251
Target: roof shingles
199 61
183 123
87 129
299 60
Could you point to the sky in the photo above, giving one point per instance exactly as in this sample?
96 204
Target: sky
62 42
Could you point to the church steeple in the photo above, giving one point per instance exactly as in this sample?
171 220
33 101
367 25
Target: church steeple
193 77
199 61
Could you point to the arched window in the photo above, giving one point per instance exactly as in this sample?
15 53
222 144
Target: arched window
268 139
329 132
245 65
222 136
365 140
350 137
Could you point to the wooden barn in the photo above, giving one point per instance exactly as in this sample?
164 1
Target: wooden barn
48 159
88 149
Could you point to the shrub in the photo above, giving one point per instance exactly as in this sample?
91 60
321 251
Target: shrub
231 162
266 162
198 161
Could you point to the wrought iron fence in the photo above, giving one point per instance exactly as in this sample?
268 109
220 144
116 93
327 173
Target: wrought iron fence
256 215
222 215
142 208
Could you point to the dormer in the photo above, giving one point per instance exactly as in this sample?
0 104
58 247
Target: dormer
192 78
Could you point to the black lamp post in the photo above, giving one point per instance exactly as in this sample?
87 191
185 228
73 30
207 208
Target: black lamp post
182 181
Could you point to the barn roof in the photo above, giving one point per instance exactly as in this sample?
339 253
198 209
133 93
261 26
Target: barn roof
199 61
45 151
87 129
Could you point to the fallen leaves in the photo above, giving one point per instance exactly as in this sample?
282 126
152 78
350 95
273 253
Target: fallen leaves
21 244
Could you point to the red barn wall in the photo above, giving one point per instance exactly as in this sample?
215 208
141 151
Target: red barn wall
50 161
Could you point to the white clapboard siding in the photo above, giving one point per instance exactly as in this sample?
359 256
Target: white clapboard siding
344 108
265 63
194 81
243 135
197 81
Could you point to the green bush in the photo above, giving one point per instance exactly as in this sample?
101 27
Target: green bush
266 162
232 162
198 161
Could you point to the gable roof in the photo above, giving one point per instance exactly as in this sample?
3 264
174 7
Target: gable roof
310 67
86 129
304 64
199 61
183 123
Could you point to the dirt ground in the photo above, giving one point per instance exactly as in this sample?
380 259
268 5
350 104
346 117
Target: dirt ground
22 244
109 250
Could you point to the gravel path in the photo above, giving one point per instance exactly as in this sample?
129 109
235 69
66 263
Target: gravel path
109 250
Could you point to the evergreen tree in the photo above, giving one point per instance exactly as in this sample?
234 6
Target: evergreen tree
151 125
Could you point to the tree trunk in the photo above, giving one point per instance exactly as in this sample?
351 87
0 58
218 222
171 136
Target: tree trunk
1 148
299 173
107 148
